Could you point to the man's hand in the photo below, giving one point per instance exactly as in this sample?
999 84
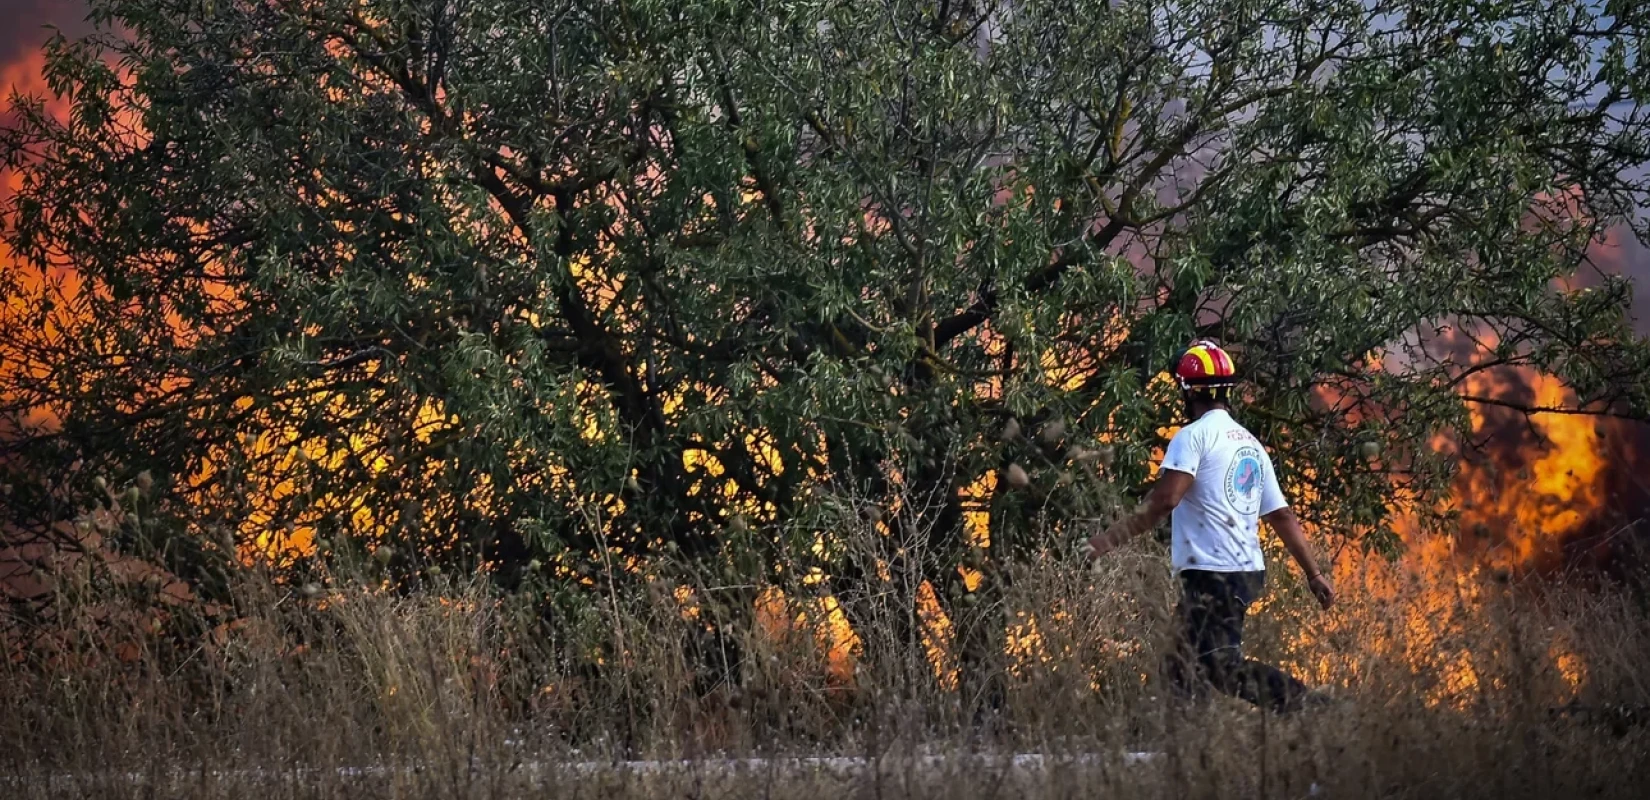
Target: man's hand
1289 530
1322 589
1171 486
1095 546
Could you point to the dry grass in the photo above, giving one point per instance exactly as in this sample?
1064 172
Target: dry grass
455 691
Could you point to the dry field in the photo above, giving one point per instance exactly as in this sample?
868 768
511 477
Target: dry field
341 690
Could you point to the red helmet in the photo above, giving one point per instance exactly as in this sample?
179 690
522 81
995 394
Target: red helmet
1205 365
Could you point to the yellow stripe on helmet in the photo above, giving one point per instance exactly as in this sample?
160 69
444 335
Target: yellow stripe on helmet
1207 359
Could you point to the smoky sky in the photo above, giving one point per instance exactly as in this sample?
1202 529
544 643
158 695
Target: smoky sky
23 25
1622 253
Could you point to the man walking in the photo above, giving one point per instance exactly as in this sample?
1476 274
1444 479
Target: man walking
1217 482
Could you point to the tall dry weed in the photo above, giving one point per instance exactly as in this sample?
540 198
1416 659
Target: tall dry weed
344 687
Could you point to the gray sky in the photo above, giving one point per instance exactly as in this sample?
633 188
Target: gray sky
25 20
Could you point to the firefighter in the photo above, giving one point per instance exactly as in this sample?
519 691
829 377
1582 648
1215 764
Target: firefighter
1217 484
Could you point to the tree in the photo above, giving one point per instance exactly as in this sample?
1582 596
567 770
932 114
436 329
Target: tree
507 280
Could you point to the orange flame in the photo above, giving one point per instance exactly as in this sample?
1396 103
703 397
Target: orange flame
1530 512
1526 486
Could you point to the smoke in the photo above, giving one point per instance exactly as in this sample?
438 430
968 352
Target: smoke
32 24
1621 253
32 21
1617 537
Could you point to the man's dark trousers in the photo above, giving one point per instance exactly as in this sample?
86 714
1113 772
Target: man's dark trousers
1209 650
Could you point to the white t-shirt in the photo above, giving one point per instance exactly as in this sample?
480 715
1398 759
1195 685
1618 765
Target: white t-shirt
1217 524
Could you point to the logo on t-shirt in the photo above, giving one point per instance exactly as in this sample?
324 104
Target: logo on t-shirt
1243 480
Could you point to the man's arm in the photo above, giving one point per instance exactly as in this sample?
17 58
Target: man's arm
1166 493
1288 528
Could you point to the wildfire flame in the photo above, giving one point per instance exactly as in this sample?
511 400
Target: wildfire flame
1529 502
1527 485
